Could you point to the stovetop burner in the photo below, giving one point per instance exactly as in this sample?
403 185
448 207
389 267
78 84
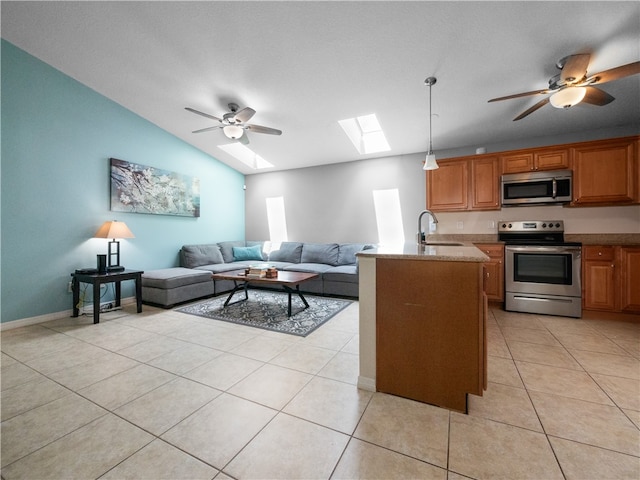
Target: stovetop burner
533 232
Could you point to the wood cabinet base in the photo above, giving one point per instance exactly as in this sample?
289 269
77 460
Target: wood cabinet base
430 331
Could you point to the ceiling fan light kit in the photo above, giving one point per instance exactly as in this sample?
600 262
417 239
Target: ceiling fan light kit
568 97
573 85
430 161
233 132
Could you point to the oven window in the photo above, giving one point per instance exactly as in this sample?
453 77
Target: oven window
542 268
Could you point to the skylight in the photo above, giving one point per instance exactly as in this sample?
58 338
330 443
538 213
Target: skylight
365 133
245 155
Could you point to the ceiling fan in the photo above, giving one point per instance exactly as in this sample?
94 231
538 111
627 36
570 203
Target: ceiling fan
572 85
233 123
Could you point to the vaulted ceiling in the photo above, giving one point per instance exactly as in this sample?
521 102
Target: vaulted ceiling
305 65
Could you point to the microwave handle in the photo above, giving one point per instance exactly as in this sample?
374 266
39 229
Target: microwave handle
555 188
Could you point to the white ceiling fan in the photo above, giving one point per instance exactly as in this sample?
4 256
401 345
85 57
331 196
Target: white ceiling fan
233 123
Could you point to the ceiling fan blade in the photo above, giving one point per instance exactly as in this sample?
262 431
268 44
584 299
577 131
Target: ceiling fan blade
574 68
538 105
197 112
245 114
595 96
615 73
518 95
208 129
244 139
261 129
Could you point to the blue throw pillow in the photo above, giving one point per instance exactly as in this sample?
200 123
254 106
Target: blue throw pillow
247 253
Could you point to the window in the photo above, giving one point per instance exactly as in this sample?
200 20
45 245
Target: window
365 133
388 217
277 222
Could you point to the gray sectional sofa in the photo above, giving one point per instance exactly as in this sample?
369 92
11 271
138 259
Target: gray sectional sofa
335 264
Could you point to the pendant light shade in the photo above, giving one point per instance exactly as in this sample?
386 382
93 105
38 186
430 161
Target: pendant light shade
430 162
568 97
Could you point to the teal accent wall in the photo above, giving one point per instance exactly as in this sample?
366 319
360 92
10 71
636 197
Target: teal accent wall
57 138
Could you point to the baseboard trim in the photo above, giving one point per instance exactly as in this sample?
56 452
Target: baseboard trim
366 383
47 317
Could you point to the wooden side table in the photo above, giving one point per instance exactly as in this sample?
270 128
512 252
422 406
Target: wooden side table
97 279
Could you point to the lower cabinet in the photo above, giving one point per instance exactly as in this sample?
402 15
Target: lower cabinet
611 278
493 271
430 331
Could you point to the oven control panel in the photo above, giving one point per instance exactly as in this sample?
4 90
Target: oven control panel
531 226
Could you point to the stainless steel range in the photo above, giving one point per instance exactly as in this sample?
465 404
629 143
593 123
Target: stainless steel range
542 271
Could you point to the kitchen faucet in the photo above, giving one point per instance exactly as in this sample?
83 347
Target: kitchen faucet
421 235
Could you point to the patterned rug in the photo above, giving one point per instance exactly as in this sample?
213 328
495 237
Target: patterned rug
268 310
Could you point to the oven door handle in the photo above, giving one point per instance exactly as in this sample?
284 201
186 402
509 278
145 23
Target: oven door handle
543 249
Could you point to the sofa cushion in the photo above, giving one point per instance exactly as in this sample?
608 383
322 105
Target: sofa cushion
287 252
320 253
342 273
174 277
318 268
347 253
193 256
221 267
247 253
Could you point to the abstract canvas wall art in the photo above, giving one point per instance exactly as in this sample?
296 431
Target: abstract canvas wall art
143 189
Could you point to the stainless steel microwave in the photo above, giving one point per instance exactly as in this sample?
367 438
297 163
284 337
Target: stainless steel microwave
553 186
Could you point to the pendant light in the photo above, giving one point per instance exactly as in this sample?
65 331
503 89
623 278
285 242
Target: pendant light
430 162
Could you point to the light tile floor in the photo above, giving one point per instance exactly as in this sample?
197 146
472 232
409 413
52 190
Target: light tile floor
167 395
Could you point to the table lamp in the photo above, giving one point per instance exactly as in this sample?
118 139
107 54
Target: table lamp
114 229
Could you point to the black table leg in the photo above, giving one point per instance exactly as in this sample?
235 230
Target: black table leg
237 287
118 293
96 302
139 293
289 291
75 288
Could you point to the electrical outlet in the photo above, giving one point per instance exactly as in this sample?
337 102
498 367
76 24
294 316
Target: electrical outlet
70 287
491 224
459 225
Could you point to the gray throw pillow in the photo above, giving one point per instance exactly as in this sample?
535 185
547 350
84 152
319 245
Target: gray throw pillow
197 255
326 253
287 252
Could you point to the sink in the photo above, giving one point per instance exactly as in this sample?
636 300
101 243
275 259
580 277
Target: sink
443 244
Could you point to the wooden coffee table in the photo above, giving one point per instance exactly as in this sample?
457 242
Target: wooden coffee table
287 280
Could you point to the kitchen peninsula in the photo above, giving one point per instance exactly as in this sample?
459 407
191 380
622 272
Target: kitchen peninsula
422 322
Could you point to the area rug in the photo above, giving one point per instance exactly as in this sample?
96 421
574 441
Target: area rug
268 310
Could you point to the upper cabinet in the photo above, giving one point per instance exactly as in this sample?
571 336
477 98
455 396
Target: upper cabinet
466 183
532 160
606 172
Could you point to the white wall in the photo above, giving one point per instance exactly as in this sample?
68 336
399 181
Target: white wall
334 203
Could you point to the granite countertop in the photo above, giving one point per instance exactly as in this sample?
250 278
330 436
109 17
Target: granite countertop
466 252
584 238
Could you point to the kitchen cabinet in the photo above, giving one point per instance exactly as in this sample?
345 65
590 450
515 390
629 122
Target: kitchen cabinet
630 279
448 186
430 330
535 159
598 278
466 183
606 172
611 276
494 270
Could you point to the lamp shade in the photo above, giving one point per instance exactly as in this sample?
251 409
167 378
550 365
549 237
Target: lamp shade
568 97
430 162
233 131
114 229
